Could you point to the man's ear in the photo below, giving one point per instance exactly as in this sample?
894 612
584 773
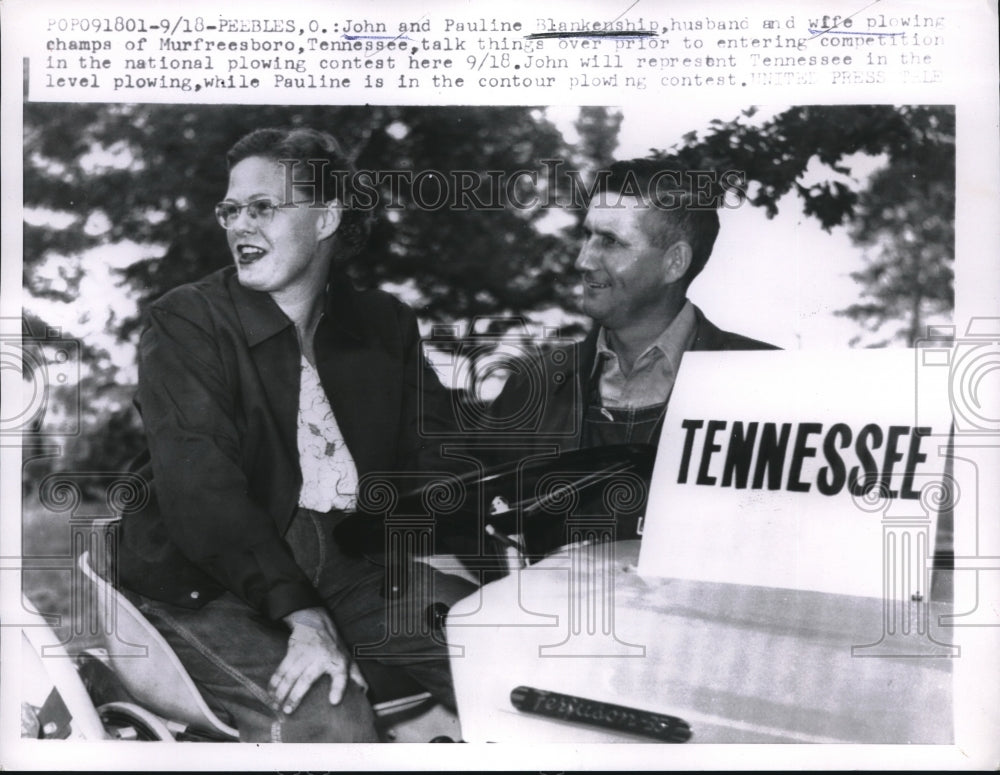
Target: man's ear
677 261
329 220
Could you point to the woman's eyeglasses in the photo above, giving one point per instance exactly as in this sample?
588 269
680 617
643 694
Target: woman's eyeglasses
261 211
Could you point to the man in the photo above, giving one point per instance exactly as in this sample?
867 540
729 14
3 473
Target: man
649 231
647 237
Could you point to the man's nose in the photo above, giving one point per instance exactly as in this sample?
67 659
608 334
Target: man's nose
585 261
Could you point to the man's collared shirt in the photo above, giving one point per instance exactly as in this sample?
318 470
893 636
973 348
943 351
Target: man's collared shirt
654 371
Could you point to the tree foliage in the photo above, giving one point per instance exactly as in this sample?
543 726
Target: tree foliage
907 216
162 169
774 155
598 129
905 213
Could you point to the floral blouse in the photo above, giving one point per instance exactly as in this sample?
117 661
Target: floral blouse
329 476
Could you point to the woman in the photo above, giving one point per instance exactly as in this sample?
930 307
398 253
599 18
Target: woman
267 390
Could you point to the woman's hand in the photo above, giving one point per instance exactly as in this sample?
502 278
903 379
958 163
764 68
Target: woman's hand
313 649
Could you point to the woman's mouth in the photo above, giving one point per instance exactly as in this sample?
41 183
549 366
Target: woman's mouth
247 254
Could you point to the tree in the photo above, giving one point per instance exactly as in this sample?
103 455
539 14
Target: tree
906 210
598 129
163 169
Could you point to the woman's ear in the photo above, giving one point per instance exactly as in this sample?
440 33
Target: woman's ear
329 220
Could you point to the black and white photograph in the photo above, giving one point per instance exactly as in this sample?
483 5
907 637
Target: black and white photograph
554 431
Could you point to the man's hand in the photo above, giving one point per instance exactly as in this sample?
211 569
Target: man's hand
313 649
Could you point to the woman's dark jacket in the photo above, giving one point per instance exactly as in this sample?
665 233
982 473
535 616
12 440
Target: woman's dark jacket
218 393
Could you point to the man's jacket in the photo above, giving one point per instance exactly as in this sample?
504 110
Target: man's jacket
544 405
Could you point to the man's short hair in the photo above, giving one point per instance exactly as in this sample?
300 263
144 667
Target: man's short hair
682 206
318 154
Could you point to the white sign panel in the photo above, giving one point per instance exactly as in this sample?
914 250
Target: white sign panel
801 470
